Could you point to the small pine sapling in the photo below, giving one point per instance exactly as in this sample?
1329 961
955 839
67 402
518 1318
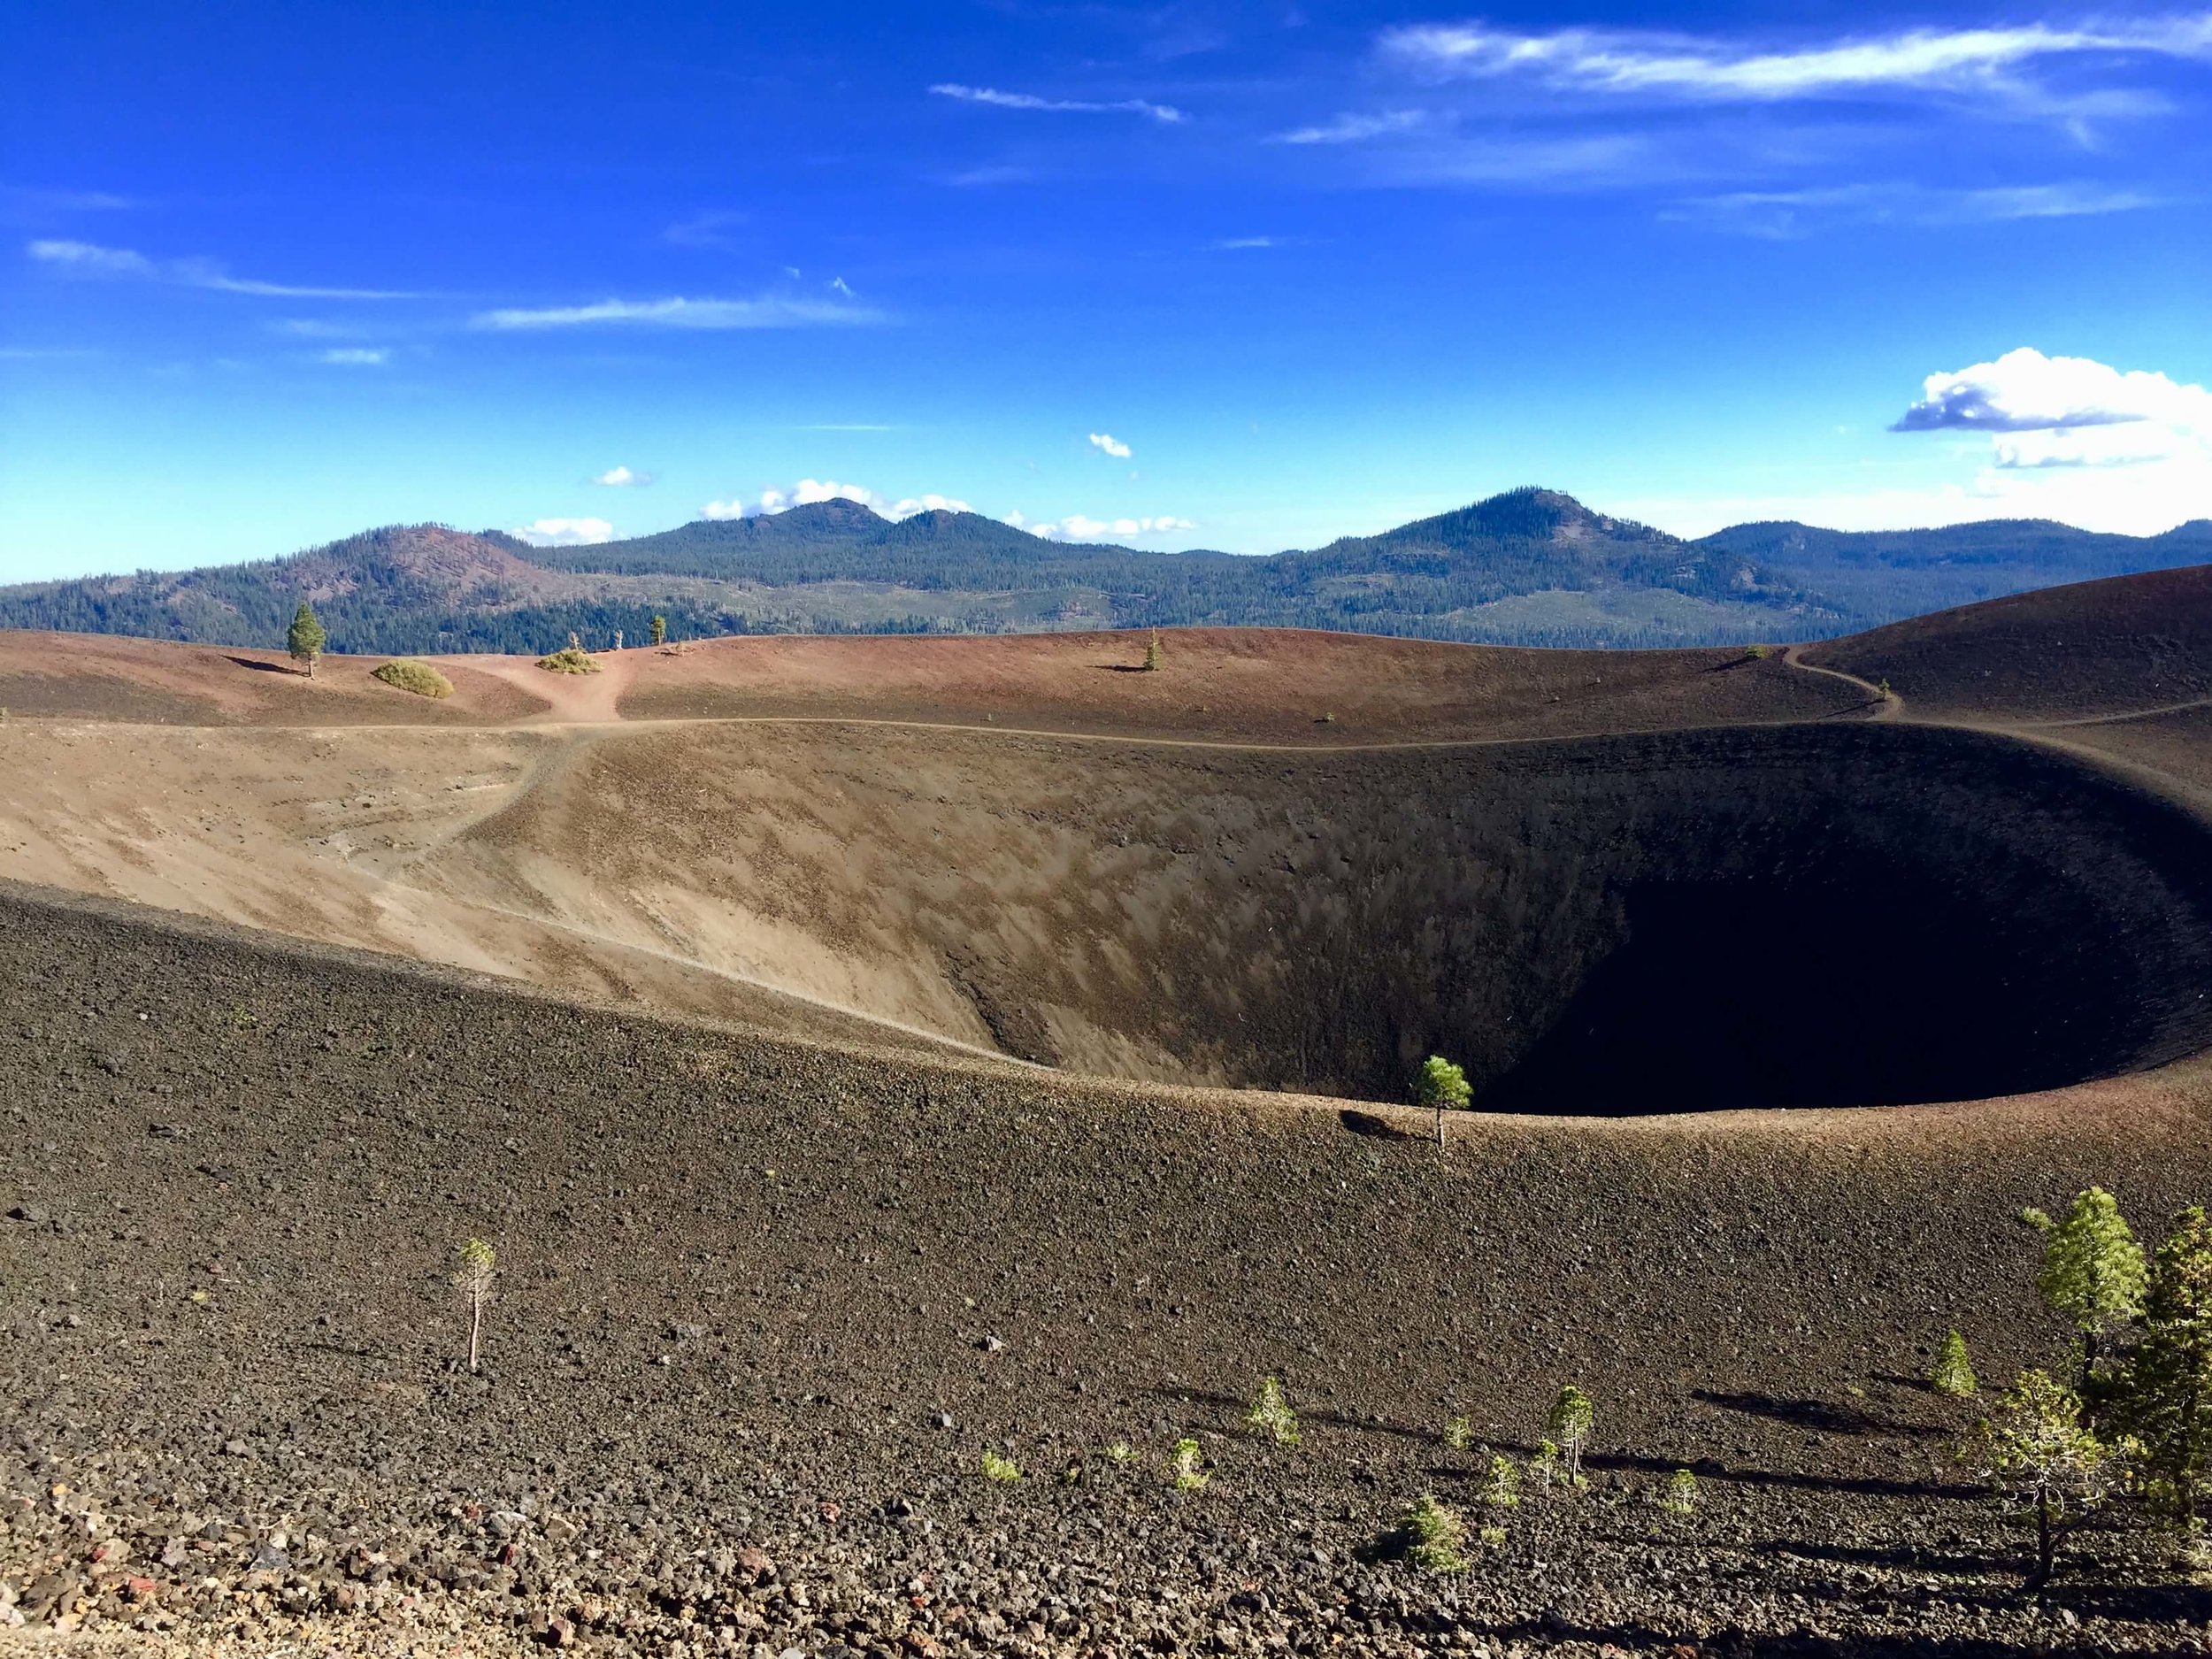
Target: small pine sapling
1570 1422
1152 656
1122 1452
2035 1453
1000 1472
1441 1087
474 1279
305 638
1503 1489
1545 1465
2093 1273
1459 1433
1187 1465
660 630
1953 1373
1271 1415
1679 1496
1434 1539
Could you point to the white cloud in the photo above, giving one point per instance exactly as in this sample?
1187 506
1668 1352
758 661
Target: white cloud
622 478
1232 244
769 312
564 532
1782 215
838 286
1080 106
358 356
2025 391
705 230
1112 445
1706 68
1077 527
84 258
1352 129
808 491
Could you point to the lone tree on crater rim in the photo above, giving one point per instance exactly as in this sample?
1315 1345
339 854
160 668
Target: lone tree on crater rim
1442 1084
305 638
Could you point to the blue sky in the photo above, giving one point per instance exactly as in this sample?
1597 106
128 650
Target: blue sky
1178 274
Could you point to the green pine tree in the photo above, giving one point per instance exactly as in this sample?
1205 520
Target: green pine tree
1954 1372
1441 1085
660 630
1568 1424
2035 1452
1152 656
2165 1393
2093 1272
305 638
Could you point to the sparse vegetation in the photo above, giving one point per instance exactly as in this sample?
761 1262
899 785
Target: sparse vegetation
2093 1272
1442 1086
1187 1465
1433 1537
1680 1497
659 627
1002 1471
1152 656
472 1277
1954 1372
572 659
1757 653
1568 1423
2035 1453
1271 1415
1501 1490
305 638
1459 1433
409 675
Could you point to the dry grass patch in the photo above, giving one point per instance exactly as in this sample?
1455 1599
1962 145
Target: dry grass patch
419 678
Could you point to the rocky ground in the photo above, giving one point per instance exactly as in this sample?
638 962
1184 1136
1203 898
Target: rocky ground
762 1308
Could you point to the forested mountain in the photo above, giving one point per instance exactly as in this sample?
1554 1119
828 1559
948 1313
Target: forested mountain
1530 567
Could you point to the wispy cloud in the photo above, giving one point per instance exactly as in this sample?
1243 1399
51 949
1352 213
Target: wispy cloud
88 259
622 478
1785 214
710 229
1353 129
991 95
1110 444
1652 64
982 177
356 356
768 312
564 532
1232 244
21 203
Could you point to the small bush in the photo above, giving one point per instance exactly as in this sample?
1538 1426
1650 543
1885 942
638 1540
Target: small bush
1187 1465
1121 1452
1433 1537
1503 1489
1459 1433
1152 656
1757 653
571 659
1271 1415
1002 1471
419 678
1679 1496
1492 1537
1953 1374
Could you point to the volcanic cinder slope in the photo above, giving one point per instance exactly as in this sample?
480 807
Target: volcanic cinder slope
926 1045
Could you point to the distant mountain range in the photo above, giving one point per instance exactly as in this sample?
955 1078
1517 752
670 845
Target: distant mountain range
1530 568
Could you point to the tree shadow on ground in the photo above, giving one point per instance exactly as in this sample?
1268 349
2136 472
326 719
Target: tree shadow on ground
265 668
1821 1415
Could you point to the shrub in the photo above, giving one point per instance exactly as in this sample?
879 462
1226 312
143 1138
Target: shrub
1492 1537
305 638
474 1279
1546 1464
1121 1452
571 659
1187 1465
419 678
2093 1273
1459 1433
1954 1375
660 630
1433 1537
999 1471
1442 1086
1757 653
1570 1419
1152 656
1679 1496
1271 1415
2034 1451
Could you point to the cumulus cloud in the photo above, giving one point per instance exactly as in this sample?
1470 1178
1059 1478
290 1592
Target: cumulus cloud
622 478
358 356
2025 391
768 312
1110 444
564 532
1078 106
807 491
1715 69
84 258
1081 527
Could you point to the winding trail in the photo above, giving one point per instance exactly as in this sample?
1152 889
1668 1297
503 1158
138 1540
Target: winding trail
1886 705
